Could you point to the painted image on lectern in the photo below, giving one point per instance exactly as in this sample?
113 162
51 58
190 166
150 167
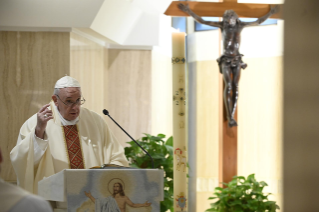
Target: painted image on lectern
112 192
117 201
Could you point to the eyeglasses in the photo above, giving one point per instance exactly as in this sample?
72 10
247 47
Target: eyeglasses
69 103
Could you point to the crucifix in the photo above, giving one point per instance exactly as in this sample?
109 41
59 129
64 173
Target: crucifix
230 62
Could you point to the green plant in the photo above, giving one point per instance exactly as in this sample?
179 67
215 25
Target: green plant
162 153
242 195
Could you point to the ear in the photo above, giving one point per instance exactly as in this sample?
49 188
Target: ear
55 100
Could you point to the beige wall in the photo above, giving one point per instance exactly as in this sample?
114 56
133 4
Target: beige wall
138 85
260 123
162 94
207 138
87 66
30 64
203 49
129 92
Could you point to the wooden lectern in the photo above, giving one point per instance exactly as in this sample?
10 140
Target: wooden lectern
94 190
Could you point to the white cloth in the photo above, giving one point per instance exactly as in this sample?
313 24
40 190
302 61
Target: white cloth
15 199
65 122
67 82
98 147
107 204
31 203
40 145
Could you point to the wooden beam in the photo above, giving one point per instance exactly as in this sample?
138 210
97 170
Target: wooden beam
229 1
229 150
227 142
217 9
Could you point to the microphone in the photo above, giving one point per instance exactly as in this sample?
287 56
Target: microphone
108 114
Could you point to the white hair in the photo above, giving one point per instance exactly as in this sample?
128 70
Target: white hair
56 91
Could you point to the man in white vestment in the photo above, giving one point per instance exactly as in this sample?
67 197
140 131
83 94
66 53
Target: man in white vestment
63 135
15 199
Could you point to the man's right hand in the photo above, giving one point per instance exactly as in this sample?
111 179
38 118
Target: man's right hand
43 116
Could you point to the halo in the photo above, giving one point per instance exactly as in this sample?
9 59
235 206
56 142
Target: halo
111 183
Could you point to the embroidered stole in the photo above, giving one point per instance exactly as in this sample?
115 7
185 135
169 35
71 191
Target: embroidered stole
74 146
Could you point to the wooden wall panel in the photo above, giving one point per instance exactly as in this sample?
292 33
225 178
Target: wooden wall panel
87 66
129 92
30 64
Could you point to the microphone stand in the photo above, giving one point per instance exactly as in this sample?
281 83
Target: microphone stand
107 114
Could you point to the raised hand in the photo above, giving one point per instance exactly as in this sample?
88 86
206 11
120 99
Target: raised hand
183 7
43 116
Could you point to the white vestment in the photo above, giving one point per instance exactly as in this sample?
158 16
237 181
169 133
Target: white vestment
107 204
15 199
97 143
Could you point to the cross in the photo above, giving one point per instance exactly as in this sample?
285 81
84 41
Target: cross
217 9
228 141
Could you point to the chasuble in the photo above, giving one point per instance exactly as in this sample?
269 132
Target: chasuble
94 145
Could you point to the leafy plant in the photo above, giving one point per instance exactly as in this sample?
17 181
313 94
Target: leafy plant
242 195
162 154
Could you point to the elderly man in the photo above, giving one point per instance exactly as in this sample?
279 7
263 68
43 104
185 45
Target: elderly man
15 199
63 135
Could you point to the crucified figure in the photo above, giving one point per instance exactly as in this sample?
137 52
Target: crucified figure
230 63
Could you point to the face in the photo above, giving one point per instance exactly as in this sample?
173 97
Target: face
232 21
68 95
116 188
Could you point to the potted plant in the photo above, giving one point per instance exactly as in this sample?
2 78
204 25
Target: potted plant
162 154
242 195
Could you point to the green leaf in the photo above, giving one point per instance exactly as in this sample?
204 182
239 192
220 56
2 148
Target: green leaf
169 149
212 197
169 141
239 178
161 135
242 195
251 177
219 189
163 155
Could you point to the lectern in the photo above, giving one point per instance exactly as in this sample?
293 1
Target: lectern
104 190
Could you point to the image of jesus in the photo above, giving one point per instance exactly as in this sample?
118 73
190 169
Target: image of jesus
116 202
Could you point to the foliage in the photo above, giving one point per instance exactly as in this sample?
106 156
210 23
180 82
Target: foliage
162 154
242 195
